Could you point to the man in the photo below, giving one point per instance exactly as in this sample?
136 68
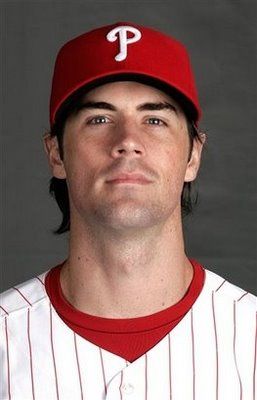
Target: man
128 315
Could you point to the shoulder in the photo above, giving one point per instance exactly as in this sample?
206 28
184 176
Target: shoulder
23 296
227 292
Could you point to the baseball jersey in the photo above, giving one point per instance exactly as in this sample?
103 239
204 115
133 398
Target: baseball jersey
209 355
130 337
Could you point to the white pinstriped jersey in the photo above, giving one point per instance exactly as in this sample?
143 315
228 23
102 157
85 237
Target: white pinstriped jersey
209 355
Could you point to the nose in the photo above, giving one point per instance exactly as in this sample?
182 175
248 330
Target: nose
127 142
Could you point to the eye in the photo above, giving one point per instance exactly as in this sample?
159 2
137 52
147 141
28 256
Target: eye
155 121
100 119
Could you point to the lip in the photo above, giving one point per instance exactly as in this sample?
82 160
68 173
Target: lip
129 178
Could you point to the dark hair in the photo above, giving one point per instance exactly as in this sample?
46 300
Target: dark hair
58 187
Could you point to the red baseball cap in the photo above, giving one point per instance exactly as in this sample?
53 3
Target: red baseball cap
123 49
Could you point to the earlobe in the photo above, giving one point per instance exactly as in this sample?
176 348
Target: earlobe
53 155
195 159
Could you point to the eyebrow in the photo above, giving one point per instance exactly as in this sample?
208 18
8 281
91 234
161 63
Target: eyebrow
102 105
157 106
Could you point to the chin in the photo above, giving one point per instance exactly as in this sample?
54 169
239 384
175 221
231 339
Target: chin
131 215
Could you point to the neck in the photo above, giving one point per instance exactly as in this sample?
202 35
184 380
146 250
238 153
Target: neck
126 268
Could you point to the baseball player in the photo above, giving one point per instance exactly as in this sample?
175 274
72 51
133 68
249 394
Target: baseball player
127 316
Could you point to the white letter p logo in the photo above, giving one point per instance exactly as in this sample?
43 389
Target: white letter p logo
123 38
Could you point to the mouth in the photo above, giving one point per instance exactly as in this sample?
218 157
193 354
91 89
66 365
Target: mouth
137 179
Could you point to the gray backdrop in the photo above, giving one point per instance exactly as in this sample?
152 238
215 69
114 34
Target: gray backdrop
220 36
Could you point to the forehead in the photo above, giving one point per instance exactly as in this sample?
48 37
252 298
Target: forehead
129 90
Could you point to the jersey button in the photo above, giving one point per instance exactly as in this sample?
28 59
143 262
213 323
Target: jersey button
127 388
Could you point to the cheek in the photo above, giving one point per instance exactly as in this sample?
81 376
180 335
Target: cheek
176 163
78 161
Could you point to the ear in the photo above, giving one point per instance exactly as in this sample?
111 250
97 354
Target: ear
53 154
195 159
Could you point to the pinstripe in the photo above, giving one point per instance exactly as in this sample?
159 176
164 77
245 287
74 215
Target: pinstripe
121 382
170 385
103 372
234 349
4 310
8 360
22 295
220 285
216 347
242 296
77 359
37 277
255 355
52 348
146 383
193 352
30 356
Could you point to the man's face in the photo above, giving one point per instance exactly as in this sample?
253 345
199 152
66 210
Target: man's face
126 157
